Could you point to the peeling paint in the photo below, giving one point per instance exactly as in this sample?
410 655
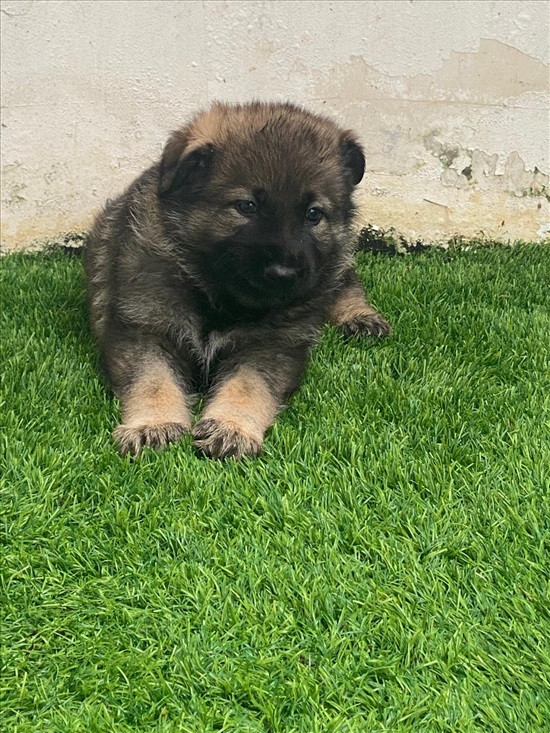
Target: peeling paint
516 178
442 177
447 154
523 182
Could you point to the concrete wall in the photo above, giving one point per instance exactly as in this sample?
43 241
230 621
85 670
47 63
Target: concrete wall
450 98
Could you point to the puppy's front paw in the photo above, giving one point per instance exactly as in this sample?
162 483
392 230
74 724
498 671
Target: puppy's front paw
371 324
224 440
131 439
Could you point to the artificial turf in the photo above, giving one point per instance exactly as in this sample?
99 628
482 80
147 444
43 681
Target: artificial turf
384 566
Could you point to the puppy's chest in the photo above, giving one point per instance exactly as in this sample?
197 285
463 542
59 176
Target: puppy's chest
212 346
219 333
207 349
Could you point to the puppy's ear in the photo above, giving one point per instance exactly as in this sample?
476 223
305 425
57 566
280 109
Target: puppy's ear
183 163
353 157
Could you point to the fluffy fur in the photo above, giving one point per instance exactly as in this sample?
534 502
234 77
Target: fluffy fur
216 270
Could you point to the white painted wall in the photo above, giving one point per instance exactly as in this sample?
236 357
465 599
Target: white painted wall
451 99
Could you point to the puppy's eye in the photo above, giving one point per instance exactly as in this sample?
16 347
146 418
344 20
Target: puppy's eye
314 215
246 208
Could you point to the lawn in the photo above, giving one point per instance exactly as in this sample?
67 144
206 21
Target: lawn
384 566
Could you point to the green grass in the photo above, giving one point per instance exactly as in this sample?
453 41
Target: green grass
384 566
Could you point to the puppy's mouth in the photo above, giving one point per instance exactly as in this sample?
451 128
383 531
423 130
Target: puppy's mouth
271 289
256 279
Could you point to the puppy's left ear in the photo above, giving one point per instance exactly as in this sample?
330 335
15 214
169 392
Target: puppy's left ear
353 157
183 163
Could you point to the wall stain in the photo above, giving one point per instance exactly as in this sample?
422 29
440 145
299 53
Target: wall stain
440 160
446 151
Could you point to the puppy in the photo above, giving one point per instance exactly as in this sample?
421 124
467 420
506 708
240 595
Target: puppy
216 270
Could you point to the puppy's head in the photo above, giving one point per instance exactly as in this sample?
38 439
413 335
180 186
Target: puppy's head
259 196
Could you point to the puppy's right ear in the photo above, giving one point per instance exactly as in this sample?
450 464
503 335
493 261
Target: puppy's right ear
183 163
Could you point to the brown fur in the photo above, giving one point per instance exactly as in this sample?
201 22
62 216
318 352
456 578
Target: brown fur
244 406
353 315
154 406
216 270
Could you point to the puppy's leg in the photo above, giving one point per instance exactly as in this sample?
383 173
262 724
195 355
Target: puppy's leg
154 403
245 402
235 419
352 314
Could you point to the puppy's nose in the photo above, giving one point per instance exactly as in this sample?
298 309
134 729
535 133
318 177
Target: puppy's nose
281 272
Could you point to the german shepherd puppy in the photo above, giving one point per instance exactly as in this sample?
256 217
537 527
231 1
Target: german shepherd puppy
216 270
